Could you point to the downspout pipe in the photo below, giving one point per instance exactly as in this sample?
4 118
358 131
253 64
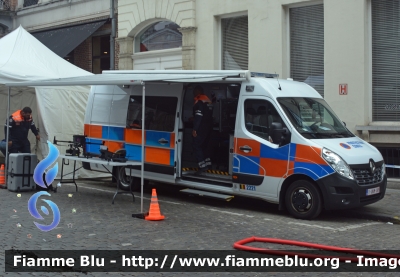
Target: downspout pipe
113 33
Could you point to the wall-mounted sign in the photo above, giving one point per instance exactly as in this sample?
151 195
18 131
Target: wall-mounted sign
343 89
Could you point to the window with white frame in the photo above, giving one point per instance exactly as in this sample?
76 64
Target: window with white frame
235 43
307 45
158 36
385 24
28 3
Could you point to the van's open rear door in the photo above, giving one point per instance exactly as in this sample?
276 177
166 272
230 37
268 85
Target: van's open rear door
161 128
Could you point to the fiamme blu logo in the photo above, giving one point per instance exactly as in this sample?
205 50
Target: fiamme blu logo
40 176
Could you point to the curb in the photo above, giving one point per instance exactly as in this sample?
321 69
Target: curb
393 183
373 216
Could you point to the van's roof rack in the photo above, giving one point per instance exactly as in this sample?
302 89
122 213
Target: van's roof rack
264 75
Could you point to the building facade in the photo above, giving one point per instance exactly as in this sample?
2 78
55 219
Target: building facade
7 12
77 30
346 50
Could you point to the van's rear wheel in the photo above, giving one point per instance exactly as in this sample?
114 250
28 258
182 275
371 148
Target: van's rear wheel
125 180
303 200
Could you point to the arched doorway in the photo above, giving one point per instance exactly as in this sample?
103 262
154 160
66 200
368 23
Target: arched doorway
158 47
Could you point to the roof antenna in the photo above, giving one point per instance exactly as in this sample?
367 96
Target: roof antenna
279 85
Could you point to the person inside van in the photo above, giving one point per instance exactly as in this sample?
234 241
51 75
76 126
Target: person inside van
136 124
202 128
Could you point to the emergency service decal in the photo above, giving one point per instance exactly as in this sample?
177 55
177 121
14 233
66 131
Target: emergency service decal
356 144
344 145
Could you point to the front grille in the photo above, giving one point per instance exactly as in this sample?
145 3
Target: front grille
364 176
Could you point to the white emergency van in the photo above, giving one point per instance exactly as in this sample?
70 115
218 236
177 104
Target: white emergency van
273 139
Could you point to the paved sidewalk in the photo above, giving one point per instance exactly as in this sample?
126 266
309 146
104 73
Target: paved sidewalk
385 210
393 183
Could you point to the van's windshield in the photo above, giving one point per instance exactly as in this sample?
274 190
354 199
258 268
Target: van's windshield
313 118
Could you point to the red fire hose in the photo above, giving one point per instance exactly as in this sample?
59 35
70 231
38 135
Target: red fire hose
240 246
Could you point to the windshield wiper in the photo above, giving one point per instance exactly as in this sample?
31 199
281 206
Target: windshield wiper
345 134
336 135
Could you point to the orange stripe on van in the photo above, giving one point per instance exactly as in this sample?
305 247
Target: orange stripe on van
254 145
133 136
157 155
273 167
93 131
113 146
308 154
172 140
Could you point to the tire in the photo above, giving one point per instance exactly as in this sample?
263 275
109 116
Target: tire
303 200
124 180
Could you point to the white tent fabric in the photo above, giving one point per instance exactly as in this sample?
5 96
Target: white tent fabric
57 111
25 58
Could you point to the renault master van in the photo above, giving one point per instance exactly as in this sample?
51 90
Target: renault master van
272 139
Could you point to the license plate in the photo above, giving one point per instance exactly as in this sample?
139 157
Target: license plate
373 191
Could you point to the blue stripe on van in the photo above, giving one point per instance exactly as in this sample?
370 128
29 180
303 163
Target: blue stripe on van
247 164
315 171
292 151
277 154
114 133
172 157
133 152
152 139
93 148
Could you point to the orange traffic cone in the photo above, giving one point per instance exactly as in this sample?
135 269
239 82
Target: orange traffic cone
2 178
154 212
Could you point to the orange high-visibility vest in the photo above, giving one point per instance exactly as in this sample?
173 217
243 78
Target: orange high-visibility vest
18 118
202 97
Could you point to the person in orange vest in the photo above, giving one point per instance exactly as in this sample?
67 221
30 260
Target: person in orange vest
202 128
20 123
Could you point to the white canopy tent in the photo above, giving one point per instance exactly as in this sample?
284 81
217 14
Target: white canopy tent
57 111
140 78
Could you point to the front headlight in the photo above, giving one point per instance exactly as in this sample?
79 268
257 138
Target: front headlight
383 171
337 163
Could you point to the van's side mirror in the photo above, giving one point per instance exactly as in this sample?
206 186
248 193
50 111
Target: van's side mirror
276 132
280 135
286 136
344 123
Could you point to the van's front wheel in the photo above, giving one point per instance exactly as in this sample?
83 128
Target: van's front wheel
303 200
125 180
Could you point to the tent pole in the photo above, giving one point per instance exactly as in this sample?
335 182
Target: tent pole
143 129
112 36
7 136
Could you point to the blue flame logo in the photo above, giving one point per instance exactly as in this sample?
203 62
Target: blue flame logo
45 163
49 177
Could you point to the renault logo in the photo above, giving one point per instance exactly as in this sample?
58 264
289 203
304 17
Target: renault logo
372 166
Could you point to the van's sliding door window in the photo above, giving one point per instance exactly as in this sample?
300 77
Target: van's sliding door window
160 113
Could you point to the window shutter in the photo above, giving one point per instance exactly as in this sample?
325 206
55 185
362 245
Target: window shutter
307 45
235 43
385 60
